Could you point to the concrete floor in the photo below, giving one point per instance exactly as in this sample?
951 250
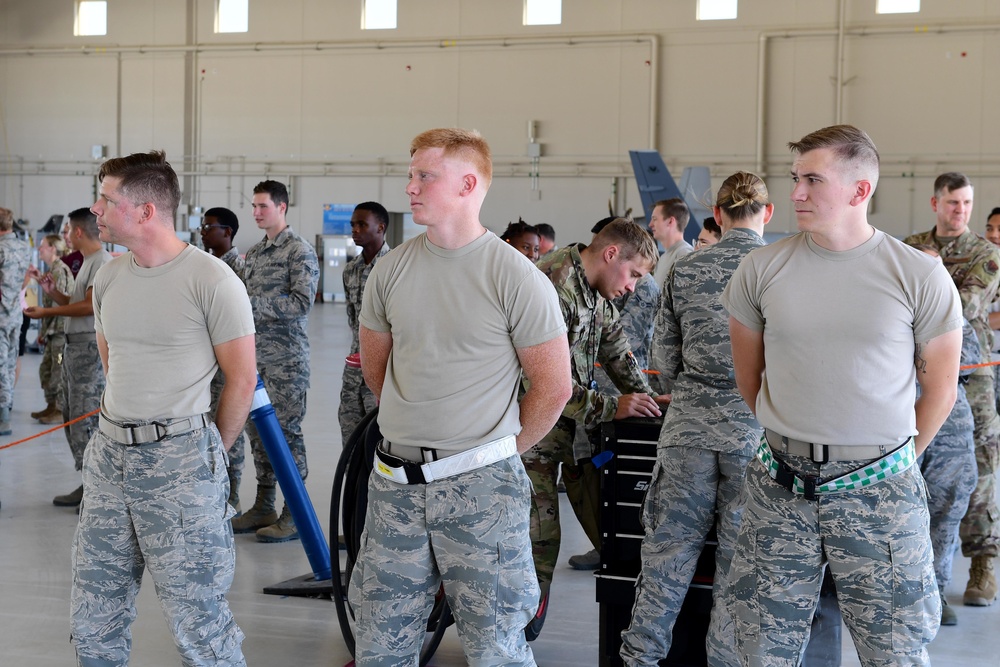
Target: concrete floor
35 541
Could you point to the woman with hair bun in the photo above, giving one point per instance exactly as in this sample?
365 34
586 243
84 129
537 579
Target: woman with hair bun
708 438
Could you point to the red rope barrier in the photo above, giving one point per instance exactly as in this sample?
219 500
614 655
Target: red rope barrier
47 431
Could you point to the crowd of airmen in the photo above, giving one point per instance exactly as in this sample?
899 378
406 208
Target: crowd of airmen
627 309
710 436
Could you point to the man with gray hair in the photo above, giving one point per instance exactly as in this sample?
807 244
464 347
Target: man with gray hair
974 265
833 483
167 316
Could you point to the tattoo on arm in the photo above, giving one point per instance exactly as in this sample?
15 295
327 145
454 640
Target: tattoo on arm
918 359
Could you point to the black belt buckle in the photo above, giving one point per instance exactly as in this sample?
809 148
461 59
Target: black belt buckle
823 448
161 430
785 476
809 483
414 474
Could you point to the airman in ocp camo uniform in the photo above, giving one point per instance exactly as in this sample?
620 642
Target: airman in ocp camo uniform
974 265
585 279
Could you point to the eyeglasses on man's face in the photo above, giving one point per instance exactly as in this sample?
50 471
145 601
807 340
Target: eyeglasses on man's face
205 228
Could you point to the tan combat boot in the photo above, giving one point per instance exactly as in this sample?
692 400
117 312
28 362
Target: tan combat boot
262 513
41 413
982 587
282 531
53 417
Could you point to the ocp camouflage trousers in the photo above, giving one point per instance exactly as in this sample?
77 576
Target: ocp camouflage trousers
980 528
875 542
50 370
583 488
469 531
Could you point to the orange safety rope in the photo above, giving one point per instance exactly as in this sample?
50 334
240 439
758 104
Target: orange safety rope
91 414
961 368
47 431
972 366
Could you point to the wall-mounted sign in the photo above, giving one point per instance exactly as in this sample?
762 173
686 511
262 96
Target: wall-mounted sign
337 219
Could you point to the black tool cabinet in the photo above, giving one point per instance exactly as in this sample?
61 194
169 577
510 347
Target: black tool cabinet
624 480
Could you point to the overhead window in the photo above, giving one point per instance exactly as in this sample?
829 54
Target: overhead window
897 6
91 18
542 12
232 16
715 10
378 15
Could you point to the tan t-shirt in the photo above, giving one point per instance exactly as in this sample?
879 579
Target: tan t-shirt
456 317
84 281
161 326
840 330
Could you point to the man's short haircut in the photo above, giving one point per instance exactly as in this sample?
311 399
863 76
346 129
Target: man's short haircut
853 147
376 209
225 217
83 218
275 190
466 144
949 182
146 177
630 238
545 230
602 223
519 228
742 196
675 208
712 227
6 219
995 211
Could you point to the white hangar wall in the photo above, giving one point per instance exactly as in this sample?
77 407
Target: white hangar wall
309 97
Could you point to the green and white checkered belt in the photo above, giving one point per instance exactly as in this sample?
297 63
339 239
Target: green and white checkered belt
811 486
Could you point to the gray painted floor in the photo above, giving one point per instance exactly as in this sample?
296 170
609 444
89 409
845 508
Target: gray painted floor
35 540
